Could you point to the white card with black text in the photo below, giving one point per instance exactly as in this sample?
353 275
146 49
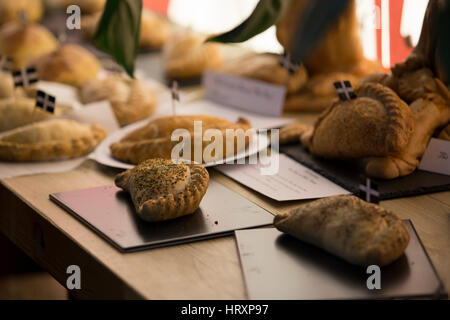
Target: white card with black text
243 93
437 157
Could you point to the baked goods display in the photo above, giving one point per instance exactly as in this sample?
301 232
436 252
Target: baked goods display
155 30
23 42
154 139
130 99
10 10
266 67
70 64
186 55
54 139
338 56
163 190
359 232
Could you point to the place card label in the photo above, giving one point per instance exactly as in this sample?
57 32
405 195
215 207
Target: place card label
246 94
437 157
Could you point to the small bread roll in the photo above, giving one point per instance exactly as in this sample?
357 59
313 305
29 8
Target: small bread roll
10 10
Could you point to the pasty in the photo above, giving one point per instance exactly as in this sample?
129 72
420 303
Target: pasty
10 10
163 190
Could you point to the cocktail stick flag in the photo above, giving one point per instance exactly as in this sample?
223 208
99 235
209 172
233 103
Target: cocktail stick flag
6 63
344 90
175 96
45 101
369 191
288 64
25 77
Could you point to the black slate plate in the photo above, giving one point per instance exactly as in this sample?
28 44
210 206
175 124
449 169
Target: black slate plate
347 174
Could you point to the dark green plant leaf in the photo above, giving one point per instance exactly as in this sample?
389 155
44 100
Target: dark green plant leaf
442 42
119 30
266 14
312 26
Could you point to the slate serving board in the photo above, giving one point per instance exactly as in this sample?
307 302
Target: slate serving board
278 266
347 174
109 212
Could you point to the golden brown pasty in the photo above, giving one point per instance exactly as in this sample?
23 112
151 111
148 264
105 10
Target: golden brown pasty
377 123
155 30
10 10
359 232
86 6
186 55
294 132
54 139
154 139
23 42
162 190
71 64
130 99
266 67
6 85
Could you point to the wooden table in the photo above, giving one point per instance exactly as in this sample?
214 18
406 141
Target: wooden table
202 270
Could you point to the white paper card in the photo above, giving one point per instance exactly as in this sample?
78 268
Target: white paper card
245 94
437 157
292 182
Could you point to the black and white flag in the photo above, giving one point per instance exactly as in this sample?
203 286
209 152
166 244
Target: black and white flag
175 92
345 90
287 63
6 63
369 191
25 77
45 101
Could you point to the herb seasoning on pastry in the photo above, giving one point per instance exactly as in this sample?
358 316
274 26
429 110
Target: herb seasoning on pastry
266 67
154 140
186 55
359 232
163 190
130 99
10 10
70 64
54 139
23 42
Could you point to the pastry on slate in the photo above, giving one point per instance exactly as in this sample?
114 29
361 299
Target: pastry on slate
155 30
130 99
10 10
86 6
163 190
186 55
154 139
376 123
23 42
267 67
54 139
71 64
361 233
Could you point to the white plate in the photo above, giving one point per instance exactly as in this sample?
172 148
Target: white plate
103 155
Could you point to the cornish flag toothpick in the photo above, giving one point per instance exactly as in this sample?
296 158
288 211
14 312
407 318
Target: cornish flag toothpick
344 90
25 77
287 63
45 101
175 96
5 63
369 191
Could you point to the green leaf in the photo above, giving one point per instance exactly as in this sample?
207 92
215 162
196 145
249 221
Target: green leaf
266 14
312 26
119 30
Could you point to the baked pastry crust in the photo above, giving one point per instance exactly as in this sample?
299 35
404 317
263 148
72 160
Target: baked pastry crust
377 123
10 10
154 139
71 64
86 6
294 132
266 67
162 190
55 139
22 42
186 55
130 99
360 233
445 133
